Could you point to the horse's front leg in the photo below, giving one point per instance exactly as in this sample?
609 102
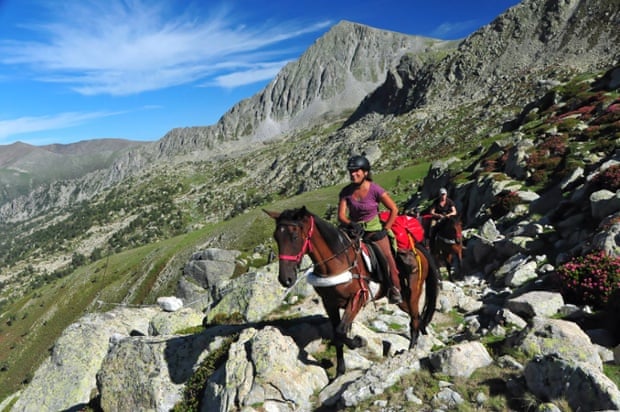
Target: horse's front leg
416 285
333 312
354 305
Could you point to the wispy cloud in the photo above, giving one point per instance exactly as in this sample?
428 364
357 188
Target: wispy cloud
127 47
450 30
257 73
30 124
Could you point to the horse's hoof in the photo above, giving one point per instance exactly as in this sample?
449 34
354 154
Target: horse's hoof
359 342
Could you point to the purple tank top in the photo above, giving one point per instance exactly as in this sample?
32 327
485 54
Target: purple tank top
365 209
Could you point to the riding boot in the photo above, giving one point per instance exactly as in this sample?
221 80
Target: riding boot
394 295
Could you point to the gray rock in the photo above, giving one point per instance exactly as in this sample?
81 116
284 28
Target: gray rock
523 274
608 239
604 203
67 377
447 398
264 365
168 323
461 359
377 379
169 303
560 338
536 303
211 268
331 394
252 295
584 387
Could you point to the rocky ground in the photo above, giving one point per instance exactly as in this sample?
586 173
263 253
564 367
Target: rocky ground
488 348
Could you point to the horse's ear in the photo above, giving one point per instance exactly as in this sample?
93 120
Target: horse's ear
272 214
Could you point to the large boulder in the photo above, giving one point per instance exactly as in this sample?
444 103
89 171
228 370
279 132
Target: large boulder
584 386
66 379
149 373
461 360
264 366
557 337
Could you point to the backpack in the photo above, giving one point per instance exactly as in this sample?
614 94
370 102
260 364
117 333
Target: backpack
404 226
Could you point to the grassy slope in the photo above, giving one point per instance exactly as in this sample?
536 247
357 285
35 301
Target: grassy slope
30 326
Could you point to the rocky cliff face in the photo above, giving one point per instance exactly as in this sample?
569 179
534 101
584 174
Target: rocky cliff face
532 40
329 79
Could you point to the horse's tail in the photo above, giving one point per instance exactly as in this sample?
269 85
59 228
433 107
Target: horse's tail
431 289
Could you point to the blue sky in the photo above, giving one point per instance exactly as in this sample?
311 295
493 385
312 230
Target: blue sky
86 69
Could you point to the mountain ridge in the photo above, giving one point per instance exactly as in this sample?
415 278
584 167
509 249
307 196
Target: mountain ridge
431 75
418 98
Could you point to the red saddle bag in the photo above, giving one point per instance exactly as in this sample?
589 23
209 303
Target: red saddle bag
402 227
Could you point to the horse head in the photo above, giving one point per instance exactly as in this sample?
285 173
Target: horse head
449 228
292 234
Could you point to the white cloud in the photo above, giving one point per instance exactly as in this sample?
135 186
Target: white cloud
256 74
127 47
453 30
29 124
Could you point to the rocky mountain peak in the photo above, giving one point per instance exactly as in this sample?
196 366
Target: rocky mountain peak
332 77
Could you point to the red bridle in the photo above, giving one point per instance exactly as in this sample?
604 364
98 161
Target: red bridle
307 246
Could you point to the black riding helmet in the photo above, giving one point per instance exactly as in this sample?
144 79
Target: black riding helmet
358 162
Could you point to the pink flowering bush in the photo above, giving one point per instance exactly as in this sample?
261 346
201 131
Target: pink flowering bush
608 179
590 279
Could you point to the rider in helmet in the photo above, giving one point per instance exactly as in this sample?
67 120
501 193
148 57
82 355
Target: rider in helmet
443 207
359 202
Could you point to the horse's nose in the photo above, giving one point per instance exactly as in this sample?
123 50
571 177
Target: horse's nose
286 281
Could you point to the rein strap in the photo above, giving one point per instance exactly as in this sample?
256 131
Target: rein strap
307 246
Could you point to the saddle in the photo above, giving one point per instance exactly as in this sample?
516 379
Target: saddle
377 263
374 260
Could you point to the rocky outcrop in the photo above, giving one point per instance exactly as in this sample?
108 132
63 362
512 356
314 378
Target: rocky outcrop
525 41
273 365
76 357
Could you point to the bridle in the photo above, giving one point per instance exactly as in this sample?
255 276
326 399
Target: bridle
307 246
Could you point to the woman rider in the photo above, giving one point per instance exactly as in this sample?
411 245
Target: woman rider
359 202
443 207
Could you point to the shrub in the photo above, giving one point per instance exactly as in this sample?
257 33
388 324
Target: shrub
555 145
608 179
590 279
504 202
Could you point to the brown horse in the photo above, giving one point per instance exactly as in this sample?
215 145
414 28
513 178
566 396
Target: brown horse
341 276
447 245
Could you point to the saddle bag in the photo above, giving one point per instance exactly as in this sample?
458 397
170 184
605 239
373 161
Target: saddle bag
404 226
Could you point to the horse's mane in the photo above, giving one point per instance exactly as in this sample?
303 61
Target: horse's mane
333 236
